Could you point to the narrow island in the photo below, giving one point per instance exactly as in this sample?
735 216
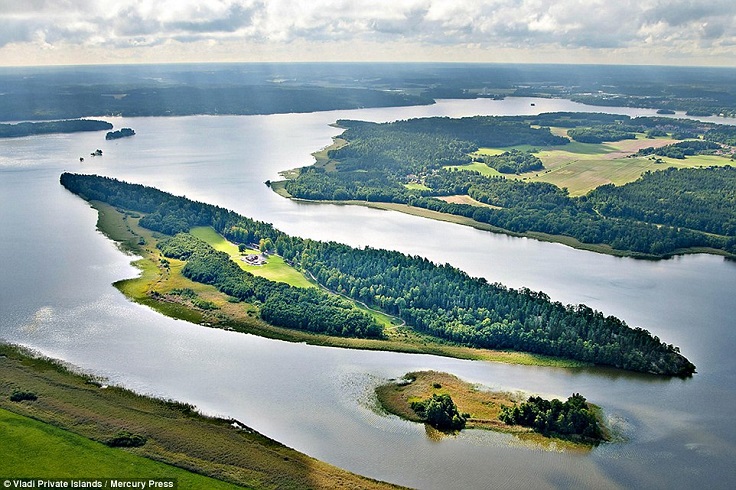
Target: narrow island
449 404
647 187
49 127
337 295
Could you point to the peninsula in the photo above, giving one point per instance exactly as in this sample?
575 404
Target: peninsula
440 309
646 187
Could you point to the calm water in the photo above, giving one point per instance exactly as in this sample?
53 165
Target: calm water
56 296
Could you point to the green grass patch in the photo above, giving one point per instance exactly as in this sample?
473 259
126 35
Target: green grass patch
581 167
33 449
583 175
489 151
480 167
275 269
417 187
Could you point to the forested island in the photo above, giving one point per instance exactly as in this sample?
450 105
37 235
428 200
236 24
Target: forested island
121 133
441 303
416 163
449 404
49 127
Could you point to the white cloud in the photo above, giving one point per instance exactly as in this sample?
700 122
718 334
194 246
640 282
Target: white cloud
688 27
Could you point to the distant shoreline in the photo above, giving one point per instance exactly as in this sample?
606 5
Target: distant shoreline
278 187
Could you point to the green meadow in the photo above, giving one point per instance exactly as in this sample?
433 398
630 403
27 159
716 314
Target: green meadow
275 269
33 449
62 434
581 167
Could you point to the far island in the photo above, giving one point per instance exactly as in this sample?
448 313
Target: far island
449 404
50 127
121 133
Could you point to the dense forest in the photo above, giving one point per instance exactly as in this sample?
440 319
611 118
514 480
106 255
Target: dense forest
68 126
599 134
697 199
514 162
122 133
681 149
165 100
440 412
380 160
438 300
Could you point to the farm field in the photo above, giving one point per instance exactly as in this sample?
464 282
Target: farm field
581 167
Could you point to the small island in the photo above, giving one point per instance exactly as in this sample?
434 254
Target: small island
449 404
122 133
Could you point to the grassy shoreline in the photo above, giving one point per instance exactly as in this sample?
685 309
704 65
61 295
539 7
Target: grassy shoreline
154 286
482 404
81 413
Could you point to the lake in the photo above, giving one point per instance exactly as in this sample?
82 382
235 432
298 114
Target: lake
56 297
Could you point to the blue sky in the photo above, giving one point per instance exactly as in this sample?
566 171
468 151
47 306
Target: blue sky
669 32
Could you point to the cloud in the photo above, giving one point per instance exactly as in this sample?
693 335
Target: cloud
683 26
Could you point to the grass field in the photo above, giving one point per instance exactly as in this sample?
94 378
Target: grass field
581 167
416 187
274 270
74 414
33 449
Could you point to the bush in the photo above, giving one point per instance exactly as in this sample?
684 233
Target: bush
19 396
126 439
440 412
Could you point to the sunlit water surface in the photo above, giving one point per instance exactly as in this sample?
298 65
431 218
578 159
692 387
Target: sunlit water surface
56 297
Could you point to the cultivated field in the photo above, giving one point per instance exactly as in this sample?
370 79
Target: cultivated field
581 167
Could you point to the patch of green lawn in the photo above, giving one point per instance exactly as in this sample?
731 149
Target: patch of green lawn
417 187
275 269
480 167
33 449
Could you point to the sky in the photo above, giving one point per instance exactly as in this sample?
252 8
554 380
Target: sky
660 32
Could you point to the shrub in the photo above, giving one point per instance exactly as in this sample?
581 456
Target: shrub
440 412
126 439
19 396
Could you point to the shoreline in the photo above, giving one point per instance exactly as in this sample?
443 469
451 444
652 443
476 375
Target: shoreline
176 436
278 188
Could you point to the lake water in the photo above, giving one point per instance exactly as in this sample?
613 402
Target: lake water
56 297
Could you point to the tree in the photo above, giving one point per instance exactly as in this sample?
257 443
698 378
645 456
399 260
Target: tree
440 412
265 245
